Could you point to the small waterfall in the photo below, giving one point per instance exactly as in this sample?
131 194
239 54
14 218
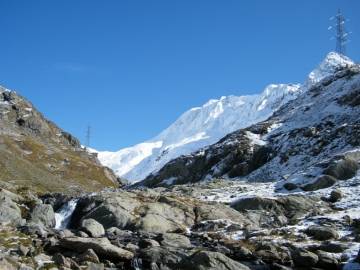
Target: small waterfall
63 215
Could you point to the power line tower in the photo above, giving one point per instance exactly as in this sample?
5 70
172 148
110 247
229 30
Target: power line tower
88 135
341 33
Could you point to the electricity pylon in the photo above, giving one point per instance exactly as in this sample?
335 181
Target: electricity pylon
341 33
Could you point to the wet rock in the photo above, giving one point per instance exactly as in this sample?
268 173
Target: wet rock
322 232
92 228
101 246
56 200
304 258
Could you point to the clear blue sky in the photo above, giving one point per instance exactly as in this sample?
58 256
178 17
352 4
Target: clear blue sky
131 68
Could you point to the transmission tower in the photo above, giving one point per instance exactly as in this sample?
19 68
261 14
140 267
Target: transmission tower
341 33
88 135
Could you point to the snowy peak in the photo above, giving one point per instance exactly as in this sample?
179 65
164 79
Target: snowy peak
328 66
202 126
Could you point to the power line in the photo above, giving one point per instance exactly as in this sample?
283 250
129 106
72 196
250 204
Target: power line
341 33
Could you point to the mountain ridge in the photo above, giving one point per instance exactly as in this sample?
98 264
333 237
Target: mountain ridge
205 125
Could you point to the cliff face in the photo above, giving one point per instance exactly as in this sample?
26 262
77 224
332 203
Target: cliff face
36 154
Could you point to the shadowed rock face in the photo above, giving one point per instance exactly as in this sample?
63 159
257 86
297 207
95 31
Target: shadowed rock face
234 155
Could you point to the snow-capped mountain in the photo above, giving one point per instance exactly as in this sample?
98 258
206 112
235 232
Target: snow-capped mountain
205 125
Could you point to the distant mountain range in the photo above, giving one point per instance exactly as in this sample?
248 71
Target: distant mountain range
203 126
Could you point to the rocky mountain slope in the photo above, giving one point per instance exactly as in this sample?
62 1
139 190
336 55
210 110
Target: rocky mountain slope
301 142
36 154
206 125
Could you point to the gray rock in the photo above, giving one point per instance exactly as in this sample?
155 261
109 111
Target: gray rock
345 168
255 203
245 254
111 209
10 212
218 211
101 246
326 261
333 247
88 256
145 243
44 214
324 181
92 228
207 260
304 258
322 233
161 217
30 229
336 195
148 194
174 258
173 240
56 200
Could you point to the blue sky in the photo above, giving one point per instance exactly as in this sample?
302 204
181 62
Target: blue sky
131 68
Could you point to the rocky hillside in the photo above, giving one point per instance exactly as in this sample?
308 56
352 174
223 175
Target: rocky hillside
36 154
301 142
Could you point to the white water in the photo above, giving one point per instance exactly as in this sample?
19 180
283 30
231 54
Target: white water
63 215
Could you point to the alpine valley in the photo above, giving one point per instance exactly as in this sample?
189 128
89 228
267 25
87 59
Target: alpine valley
268 181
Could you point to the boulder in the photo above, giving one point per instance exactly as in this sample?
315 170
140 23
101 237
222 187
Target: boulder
173 240
304 258
56 200
333 247
324 181
145 243
326 261
101 246
345 168
92 228
297 206
255 203
88 256
44 214
161 217
173 258
336 195
10 213
322 233
215 211
207 260
111 209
